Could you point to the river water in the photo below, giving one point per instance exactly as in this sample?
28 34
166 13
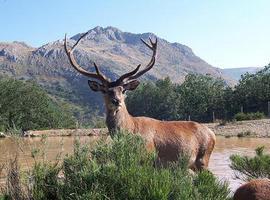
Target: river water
219 162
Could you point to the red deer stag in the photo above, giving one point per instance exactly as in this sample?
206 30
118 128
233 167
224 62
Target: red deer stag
257 189
168 138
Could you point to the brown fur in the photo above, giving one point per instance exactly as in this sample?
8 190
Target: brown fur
169 138
258 189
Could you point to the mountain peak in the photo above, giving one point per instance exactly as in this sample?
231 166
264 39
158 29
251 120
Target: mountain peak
101 30
111 28
118 50
101 34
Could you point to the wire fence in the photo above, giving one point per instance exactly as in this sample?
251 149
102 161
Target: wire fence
213 116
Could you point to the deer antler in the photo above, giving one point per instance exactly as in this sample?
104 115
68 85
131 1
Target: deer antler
76 66
135 74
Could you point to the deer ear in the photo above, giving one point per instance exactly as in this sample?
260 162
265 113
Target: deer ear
95 86
132 85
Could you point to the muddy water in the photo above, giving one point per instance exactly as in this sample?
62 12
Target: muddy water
219 162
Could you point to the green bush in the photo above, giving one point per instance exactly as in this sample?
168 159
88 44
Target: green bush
122 169
249 116
251 167
45 175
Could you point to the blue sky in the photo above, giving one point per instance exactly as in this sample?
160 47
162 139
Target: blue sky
225 33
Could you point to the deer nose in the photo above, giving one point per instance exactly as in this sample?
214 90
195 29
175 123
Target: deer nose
115 102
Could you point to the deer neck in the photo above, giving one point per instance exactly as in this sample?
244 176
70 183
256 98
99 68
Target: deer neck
119 119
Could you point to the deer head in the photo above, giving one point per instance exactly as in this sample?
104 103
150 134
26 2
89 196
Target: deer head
113 91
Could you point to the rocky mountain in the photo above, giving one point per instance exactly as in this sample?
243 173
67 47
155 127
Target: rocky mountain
116 52
236 73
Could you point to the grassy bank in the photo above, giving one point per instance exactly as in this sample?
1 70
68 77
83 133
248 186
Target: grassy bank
120 169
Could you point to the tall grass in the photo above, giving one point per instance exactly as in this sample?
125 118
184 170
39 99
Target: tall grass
119 169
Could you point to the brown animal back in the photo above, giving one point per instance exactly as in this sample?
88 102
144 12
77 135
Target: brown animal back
258 189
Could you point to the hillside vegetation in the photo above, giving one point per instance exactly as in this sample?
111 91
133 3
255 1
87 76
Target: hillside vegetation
24 105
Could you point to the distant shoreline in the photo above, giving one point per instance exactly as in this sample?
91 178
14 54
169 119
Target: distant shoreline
251 128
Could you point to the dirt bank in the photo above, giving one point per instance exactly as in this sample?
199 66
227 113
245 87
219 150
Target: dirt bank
66 132
252 128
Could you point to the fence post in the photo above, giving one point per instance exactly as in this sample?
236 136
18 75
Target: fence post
214 118
269 109
188 117
242 110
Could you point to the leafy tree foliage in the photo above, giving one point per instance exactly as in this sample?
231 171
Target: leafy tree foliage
201 95
25 105
198 97
253 91
159 100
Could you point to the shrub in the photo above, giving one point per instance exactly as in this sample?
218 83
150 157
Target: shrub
244 134
249 116
45 175
251 167
122 169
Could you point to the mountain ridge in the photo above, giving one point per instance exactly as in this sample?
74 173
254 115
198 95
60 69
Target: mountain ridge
114 51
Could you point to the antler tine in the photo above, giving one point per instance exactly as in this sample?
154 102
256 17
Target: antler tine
77 40
153 47
146 43
77 67
132 75
99 73
154 44
125 76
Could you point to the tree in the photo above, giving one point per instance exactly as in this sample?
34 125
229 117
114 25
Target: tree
198 96
159 100
25 105
201 96
253 91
